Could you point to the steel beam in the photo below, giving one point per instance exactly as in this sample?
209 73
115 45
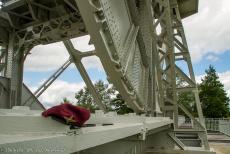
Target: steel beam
76 56
138 43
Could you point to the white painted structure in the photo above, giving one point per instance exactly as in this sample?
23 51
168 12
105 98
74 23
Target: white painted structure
138 43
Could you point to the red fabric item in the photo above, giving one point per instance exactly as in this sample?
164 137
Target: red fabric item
70 113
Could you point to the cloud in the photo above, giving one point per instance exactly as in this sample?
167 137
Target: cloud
57 91
198 78
224 78
92 62
82 43
212 58
50 57
207 31
46 57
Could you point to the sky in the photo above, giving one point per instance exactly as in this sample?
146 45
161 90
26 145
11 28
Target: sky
208 36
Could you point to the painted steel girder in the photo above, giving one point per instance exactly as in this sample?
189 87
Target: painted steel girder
119 30
114 35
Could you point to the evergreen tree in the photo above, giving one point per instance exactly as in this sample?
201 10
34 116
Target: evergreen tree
215 103
119 105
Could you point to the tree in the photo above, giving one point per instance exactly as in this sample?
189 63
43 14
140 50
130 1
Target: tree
215 103
65 100
109 96
85 99
188 100
118 105
185 98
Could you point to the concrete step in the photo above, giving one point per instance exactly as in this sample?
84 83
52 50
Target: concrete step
191 142
189 139
186 136
187 131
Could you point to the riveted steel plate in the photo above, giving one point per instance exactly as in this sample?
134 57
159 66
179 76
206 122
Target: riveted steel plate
114 35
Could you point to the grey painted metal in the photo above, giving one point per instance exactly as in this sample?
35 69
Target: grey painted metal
138 43
177 141
76 56
49 22
2 59
218 124
118 49
46 133
134 73
172 45
5 91
212 124
132 134
14 71
224 126
35 104
188 7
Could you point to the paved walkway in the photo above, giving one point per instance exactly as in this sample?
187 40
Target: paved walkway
218 137
219 142
220 148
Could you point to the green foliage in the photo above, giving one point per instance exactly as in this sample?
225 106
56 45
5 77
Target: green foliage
215 103
214 100
85 99
188 100
119 105
110 97
65 100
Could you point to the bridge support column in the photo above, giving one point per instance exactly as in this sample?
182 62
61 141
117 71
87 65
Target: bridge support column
14 71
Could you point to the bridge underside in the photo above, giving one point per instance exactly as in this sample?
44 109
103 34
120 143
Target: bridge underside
139 44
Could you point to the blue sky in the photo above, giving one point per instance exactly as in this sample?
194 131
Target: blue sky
207 35
70 74
221 63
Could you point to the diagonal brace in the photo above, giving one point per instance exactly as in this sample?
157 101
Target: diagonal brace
76 57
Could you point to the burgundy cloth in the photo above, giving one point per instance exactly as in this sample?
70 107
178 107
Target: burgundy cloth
74 114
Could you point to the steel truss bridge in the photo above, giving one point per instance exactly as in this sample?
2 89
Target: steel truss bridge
139 43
